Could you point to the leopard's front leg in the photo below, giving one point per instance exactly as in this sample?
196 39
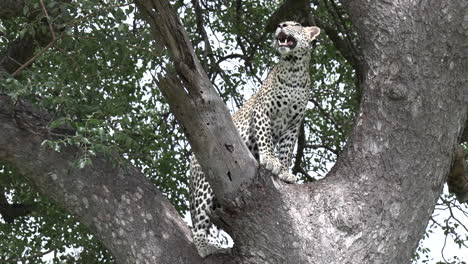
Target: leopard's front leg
285 151
264 141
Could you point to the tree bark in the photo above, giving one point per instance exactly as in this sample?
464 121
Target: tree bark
123 209
375 203
224 157
372 207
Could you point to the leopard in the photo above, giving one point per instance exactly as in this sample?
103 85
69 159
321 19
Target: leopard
268 123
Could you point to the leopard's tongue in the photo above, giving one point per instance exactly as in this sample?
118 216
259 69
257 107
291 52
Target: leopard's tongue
285 42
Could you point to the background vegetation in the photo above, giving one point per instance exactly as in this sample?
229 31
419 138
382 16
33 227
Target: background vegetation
97 77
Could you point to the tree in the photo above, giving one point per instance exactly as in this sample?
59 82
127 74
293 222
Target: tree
66 130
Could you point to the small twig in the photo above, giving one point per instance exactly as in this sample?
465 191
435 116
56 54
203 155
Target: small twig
33 58
48 19
327 115
207 51
443 249
317 146
51 43
230 56
305 173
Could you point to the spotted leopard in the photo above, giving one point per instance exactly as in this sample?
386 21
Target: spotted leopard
268 123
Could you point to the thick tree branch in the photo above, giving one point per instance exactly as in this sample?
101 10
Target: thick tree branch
209 128
373 206
384 168
398 131
123 209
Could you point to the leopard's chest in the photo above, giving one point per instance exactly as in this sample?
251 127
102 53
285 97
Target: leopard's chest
287 102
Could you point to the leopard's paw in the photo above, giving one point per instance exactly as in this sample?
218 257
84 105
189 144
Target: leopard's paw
271 164
288 177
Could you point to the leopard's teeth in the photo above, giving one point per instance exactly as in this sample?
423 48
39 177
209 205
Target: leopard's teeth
285 42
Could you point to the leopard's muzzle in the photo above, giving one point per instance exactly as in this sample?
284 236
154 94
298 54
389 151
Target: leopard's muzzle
285 40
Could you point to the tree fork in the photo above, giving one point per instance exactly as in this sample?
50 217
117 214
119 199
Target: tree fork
370 194
372 207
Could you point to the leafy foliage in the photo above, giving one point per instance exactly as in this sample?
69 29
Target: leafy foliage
98 80
47 230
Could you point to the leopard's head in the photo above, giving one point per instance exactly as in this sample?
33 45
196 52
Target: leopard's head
292 38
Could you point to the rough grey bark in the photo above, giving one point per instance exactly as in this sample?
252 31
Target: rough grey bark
412 115
212 135
122 208
374 204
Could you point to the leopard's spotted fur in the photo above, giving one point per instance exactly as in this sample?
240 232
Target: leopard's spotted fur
269 121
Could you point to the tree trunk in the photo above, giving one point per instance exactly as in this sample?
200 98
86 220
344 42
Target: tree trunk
123 209
372 207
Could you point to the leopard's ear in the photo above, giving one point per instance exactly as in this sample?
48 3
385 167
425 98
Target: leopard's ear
313 32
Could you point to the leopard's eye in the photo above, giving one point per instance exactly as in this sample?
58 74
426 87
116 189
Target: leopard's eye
297 24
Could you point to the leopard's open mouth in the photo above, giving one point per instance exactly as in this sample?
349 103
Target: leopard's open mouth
285 40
